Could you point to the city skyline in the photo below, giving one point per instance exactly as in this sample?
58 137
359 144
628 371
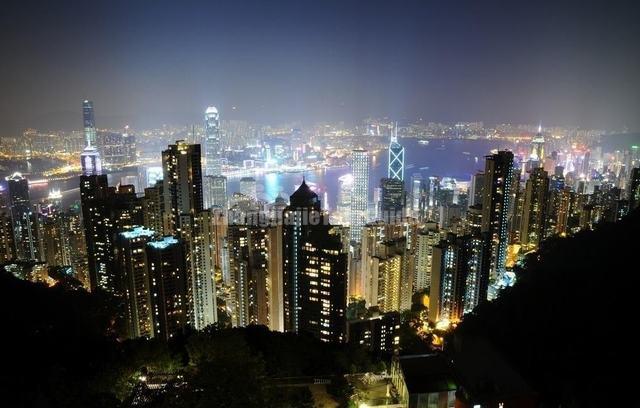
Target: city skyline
318 204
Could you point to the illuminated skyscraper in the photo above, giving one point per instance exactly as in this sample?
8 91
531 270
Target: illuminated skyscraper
185 218
396 157
495 208
392 205
215 192
212 142
359 193
314 270
22 218
633 193
89 122
131 263
534 211
537 148
427 239
248 187
458 278
166 269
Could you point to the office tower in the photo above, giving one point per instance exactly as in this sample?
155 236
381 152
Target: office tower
476 189
633 193
374 209
166 268
248 260
495 208
534 211
379 333
459 281
130 151
537 148
183 217
343 208
152 175
130 262
22 218
359 193
153 207
395 170
248 187
215 192
393 200
89 122
314 270
212 142
417 195
427 239
53 228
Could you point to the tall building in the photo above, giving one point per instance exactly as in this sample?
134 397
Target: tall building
136 284
215 192
476 189
248 259
359 193
418 196
53 230
495 208
633 193
89 122
428 238
392 204
98 226
396 157
537 148
534 211
314 270
459 281
184 218
166 268
379 333
212 142
22 218
248 187
153 207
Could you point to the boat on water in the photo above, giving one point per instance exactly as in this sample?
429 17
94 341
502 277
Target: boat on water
466 153
423 142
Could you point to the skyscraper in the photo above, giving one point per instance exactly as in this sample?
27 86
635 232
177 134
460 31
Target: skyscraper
537 148
22 218
392 204
359 193
396 157
89 122
136 284
184 218
495 208
314 270
534 211
212 142
458 279
166 268
248 187
633 192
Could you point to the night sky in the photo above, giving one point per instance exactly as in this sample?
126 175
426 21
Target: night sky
154 62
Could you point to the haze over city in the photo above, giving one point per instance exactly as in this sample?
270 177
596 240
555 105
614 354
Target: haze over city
151 63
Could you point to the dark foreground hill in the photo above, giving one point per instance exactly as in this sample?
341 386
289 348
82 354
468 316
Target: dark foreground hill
568 326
